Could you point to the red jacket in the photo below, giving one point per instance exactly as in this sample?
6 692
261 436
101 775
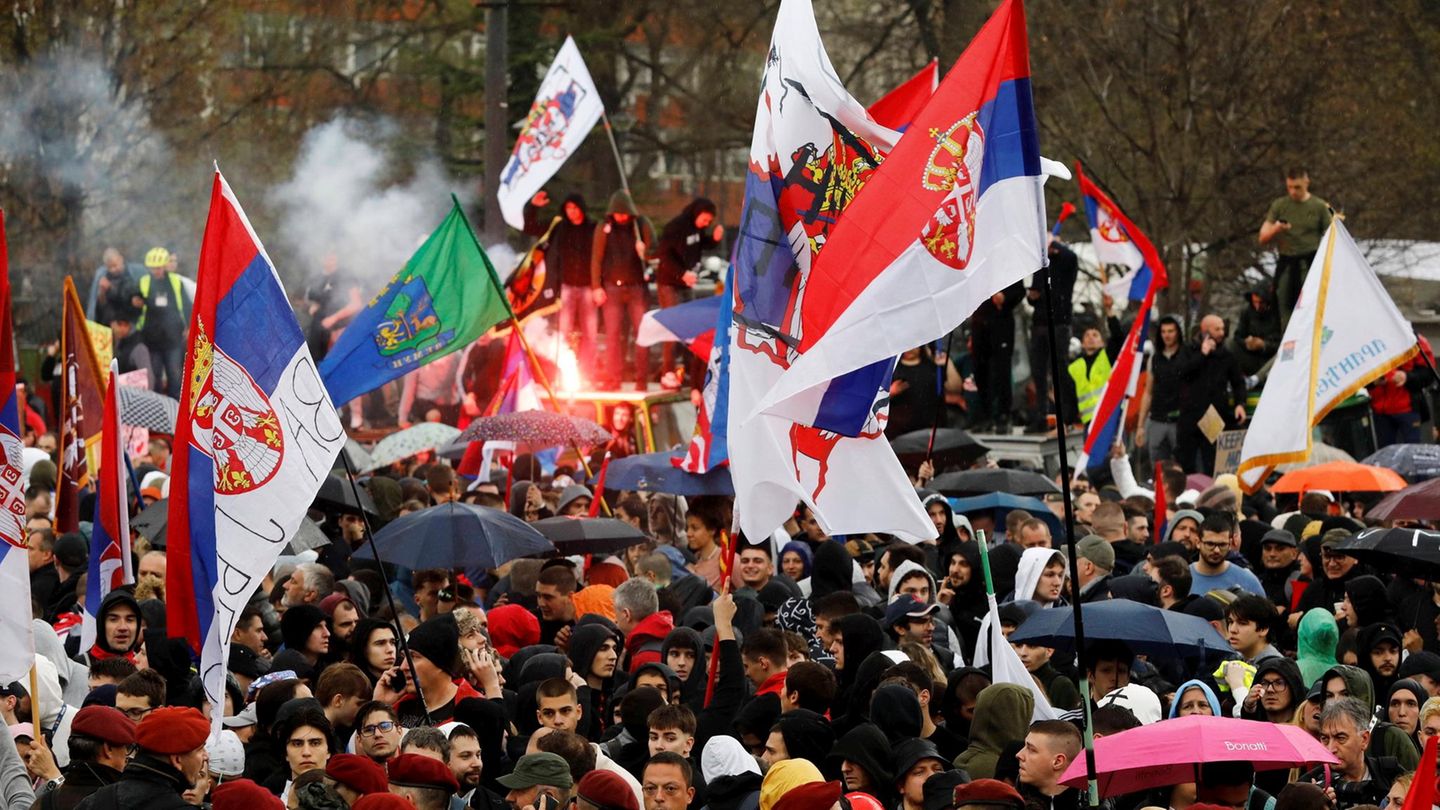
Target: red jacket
1397 399
773 685
643 644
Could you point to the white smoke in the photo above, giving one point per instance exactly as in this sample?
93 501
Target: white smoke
350 196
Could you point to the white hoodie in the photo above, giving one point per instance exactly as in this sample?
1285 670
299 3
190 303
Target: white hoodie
1032 564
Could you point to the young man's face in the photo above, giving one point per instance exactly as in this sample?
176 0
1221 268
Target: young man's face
681 660
754 567
921 629
604 664
914 787
1186 532
558 712
757 669
378 735
1297 187
122 627
1092 341
1385 658
1036 759
465 762
1214 547
918 586
1138 529
345 619
1085 504
1109 676
670 739
1031 656
775 750
1245 636
1052 582
1169 334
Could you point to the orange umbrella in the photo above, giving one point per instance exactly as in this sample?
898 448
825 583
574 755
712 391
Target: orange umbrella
1340 476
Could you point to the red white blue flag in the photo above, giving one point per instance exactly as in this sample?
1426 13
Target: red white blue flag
691 323
813 148
256 436
110 565
17 642
897 108
955 214
708 448
1110 225
1114 247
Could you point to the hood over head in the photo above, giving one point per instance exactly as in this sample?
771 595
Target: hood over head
1194 684
907 569
896 710
1032 564
1317 637
831 571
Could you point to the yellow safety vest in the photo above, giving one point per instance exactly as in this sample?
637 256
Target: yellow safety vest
175 290
1089 388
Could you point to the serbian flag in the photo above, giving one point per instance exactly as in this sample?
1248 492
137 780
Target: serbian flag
256 436
897 108
955 214
1113 244
813 144
1106 426
110 565
82 404
17 643
691 323
707 448
518 390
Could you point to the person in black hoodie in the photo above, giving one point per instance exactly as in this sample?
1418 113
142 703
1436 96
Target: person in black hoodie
617 283
587 641
804 735
1217 382
119 627
862 759
1257 335
1365 603
684 652
567 240
682 243
1063 270
992 344
856 637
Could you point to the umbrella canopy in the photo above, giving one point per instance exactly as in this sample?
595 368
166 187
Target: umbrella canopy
1146 629
336 495
1198 482
654 472
457 535
586 535
150 523
1171 751
1417 462
538 429
1416 502
141 407
993 479
1340 476
1411 552
952 447
307 536
999 504
1320 453
359 457
411 441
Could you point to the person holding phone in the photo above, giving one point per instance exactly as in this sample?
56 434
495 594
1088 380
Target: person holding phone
1294 225
541 780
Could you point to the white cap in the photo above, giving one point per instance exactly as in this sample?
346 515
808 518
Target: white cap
246 717
1328 495
227 754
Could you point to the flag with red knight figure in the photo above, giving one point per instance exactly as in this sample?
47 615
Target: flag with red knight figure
813 148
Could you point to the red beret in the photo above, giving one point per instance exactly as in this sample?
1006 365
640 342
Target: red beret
863 801
414 770
811 796
382 801
607 791
988 791
173 730
104 723
358 773
242 794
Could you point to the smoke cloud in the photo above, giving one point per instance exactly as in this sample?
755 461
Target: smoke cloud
350 196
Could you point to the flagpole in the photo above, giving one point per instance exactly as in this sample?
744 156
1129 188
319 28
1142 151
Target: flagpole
940 408
1093 792
35 702
389 597
615 149
535 367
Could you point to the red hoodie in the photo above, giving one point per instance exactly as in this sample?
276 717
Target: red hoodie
643 643
773 685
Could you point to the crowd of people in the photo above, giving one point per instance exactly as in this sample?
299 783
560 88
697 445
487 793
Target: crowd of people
696 670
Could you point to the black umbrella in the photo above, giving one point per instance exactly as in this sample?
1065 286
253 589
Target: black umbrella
336 495
1147 630
993 479
150 523
1416 462
953 447
457 535
582 535
1409 552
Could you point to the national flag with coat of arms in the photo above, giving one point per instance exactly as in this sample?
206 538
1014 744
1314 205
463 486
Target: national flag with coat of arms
1121 235
954 214
1344 333
17 641
813 147
256 437
708 448
110 565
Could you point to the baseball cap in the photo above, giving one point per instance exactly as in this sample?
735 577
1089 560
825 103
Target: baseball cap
1097 550
543 768
227 754
907 607
246 717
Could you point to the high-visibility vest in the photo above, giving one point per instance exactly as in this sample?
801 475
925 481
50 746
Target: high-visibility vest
1090 387
175 290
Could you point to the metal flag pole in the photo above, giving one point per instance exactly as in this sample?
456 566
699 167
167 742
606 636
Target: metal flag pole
389 597
1093 792
940 408
615 149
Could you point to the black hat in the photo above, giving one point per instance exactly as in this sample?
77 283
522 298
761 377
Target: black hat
437 639
71 551
297 624
244 662
1423 662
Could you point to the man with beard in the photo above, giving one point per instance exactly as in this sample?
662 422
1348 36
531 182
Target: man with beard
1218 535
1216 382
1337 568
1280 564
465 761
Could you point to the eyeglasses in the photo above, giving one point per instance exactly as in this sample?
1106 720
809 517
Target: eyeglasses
1274 686
1214 545
374 729
670 789
136 714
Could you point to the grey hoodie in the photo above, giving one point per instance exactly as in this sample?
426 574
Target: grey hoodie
1180 515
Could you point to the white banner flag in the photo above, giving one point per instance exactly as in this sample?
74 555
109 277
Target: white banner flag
1344 333
565 110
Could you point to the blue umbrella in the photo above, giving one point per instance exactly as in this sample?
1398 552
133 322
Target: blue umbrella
457 535
1000 503
653 472
1146 629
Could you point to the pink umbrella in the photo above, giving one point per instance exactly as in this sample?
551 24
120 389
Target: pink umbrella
1170 752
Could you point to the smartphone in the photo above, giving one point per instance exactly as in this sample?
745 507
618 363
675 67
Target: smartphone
546 802
397 681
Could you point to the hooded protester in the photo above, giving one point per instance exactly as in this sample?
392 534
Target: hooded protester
567 241
1188 694
117 636
1002 717
806 734
964 586
832 571
1030 579
1268 702
1257 335
862 758
683 651
617 282
896 711
1366 602
858 635
1184 528
1378 647
682 244
586 641
1402 707
1317 637
732 777
1386 739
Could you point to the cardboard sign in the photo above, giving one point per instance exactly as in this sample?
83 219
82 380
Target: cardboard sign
1227 451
